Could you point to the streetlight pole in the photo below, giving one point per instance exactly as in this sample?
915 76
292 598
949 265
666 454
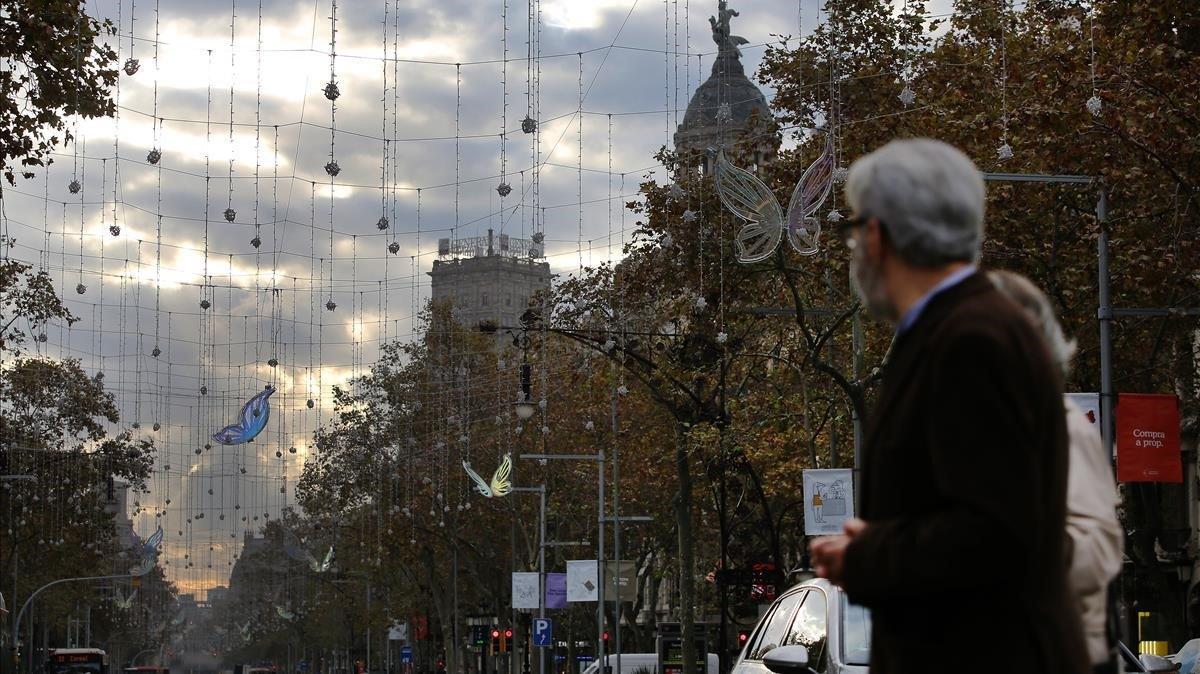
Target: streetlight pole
540 490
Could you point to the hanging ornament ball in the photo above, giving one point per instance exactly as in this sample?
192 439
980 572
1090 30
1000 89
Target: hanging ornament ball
667 240
204 304
168 501
689 215
156 352
230 215
590 425
332 168
278 454
42 337
74 187
332 92
504 189
198 450
394 247
840 173
243 471
273 362
283 490
203 390
382 224
256 241
310 403
538 237
115 230
291 450
210 491
136 425
153 156
237 506
529 124
907 96
158 427
834 216
131 67
1005 151
207 446
80 288
701 304
1094 106
623 390
676 191
331 305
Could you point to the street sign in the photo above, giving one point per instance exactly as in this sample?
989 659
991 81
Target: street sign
302 665
406 655
543 632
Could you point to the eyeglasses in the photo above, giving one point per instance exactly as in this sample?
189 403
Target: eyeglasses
847 226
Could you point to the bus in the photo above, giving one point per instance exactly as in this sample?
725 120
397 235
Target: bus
77 661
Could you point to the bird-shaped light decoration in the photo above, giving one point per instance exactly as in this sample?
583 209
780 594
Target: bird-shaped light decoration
751 200
500 485
251 421
285 613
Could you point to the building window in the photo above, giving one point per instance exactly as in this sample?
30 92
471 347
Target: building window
508 300
483 299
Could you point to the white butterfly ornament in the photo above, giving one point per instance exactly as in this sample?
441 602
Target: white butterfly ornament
500 485
751 200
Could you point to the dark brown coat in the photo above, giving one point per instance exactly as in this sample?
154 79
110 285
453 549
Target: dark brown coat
963 484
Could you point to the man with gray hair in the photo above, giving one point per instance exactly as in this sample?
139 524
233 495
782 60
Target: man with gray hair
960 554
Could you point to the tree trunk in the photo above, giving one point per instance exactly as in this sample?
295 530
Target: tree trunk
687 563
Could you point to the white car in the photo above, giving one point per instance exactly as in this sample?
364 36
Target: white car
811 628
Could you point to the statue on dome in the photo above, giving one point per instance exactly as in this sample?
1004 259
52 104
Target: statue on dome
726 42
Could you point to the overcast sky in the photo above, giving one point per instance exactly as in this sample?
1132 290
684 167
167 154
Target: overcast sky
269 302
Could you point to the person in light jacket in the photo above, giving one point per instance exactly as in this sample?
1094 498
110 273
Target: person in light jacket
1094 534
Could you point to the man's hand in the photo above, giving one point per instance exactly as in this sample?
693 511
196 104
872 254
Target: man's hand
828 551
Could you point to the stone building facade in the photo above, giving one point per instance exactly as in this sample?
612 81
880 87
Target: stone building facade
489 278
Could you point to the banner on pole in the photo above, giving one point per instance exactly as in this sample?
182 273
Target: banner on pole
1148 438
525 589
828 500
628 581
582 580
1089 403
398 632
556 590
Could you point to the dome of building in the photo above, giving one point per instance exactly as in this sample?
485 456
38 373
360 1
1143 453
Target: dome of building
727 103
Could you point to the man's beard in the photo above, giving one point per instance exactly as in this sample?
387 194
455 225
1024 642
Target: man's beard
869 285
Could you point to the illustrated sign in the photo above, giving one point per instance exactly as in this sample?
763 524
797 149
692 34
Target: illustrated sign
556 590
828 500
1148 438
398 632
1089 403
583 580
543 632
525 590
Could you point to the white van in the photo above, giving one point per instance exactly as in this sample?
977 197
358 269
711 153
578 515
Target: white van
632 662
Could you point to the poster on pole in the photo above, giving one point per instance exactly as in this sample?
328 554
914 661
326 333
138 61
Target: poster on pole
398 632
828 500
1089 404
525 589
556 590
1148 438
583 580
627 571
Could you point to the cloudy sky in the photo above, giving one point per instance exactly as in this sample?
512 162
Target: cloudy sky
404 104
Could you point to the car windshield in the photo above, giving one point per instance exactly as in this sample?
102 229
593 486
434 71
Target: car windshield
856 634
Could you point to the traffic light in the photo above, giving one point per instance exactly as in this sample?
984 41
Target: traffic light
495 641
441 666
743 637
604 636
506 640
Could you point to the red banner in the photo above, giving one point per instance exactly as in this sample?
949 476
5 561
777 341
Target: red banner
1148 438
420 628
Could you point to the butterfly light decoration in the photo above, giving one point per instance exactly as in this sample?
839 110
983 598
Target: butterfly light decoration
121 601
301 555
751 200
500 485
251 421
147 552
285 613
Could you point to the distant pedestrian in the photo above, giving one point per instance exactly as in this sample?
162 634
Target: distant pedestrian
1095 536
961 557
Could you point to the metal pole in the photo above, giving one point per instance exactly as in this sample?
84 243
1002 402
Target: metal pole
368 630
1104 313
616 519
542 570
600 566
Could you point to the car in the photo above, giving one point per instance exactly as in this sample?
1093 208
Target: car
631 663
811 628
1145 662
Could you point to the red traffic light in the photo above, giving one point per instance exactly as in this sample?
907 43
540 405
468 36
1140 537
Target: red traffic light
743 636
495 634
604 636
508 634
